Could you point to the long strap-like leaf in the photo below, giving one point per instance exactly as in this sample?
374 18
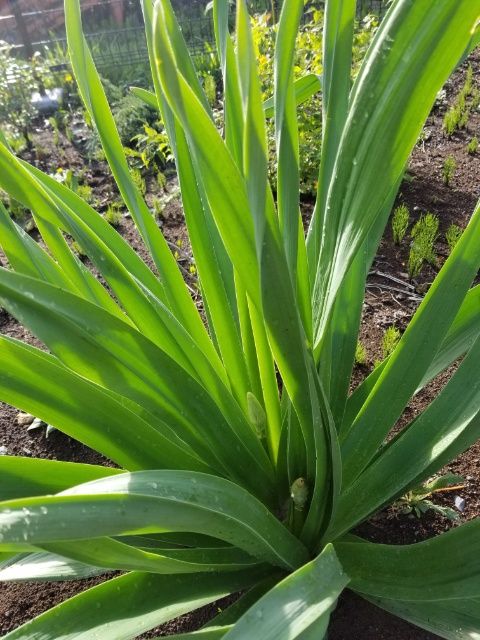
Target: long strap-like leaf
392 97
149 502
146 601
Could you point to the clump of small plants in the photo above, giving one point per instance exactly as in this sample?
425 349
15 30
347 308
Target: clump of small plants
472 146
113 215
452 236
466 101
360 354
424 235
390 339
448 170
400 221
418 501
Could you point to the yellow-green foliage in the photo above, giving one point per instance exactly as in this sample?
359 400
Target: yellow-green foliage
113 215
472 146
450 121
452 236
360 354
448 170
390 339
308 60
424 235
400 220
139 181
458 115
210 88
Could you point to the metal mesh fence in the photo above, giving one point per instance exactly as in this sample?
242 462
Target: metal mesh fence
114 28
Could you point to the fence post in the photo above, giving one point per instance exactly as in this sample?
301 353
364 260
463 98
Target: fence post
22 27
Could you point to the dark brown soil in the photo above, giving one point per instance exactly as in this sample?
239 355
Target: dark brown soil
388 302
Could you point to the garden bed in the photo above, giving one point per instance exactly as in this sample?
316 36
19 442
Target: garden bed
391 299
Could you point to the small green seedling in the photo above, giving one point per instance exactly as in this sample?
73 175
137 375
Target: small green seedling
448 170
472 146
424 235
416 501
139 181
451 120
210 88
113 215
390 339
360 354
400 221
452 236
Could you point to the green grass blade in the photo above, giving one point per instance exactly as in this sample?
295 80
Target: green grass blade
282 614
154 501
145 600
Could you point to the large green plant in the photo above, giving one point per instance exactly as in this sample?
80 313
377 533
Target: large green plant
226 484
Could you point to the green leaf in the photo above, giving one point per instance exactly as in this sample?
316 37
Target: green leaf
407 366
93 96
391 99
145 600
301 600
337 62
22 477
451 619
443 568
115 555
149 502
213 264
462 333
286 131
109 352
449 425
103 420
148 97
305 87
44 566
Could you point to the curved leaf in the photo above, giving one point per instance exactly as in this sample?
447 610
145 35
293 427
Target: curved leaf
145 600
303 599
149 502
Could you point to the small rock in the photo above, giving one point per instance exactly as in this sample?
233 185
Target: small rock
460 504
3 451
36 424
24 419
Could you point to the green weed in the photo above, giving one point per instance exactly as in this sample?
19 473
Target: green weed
400 221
